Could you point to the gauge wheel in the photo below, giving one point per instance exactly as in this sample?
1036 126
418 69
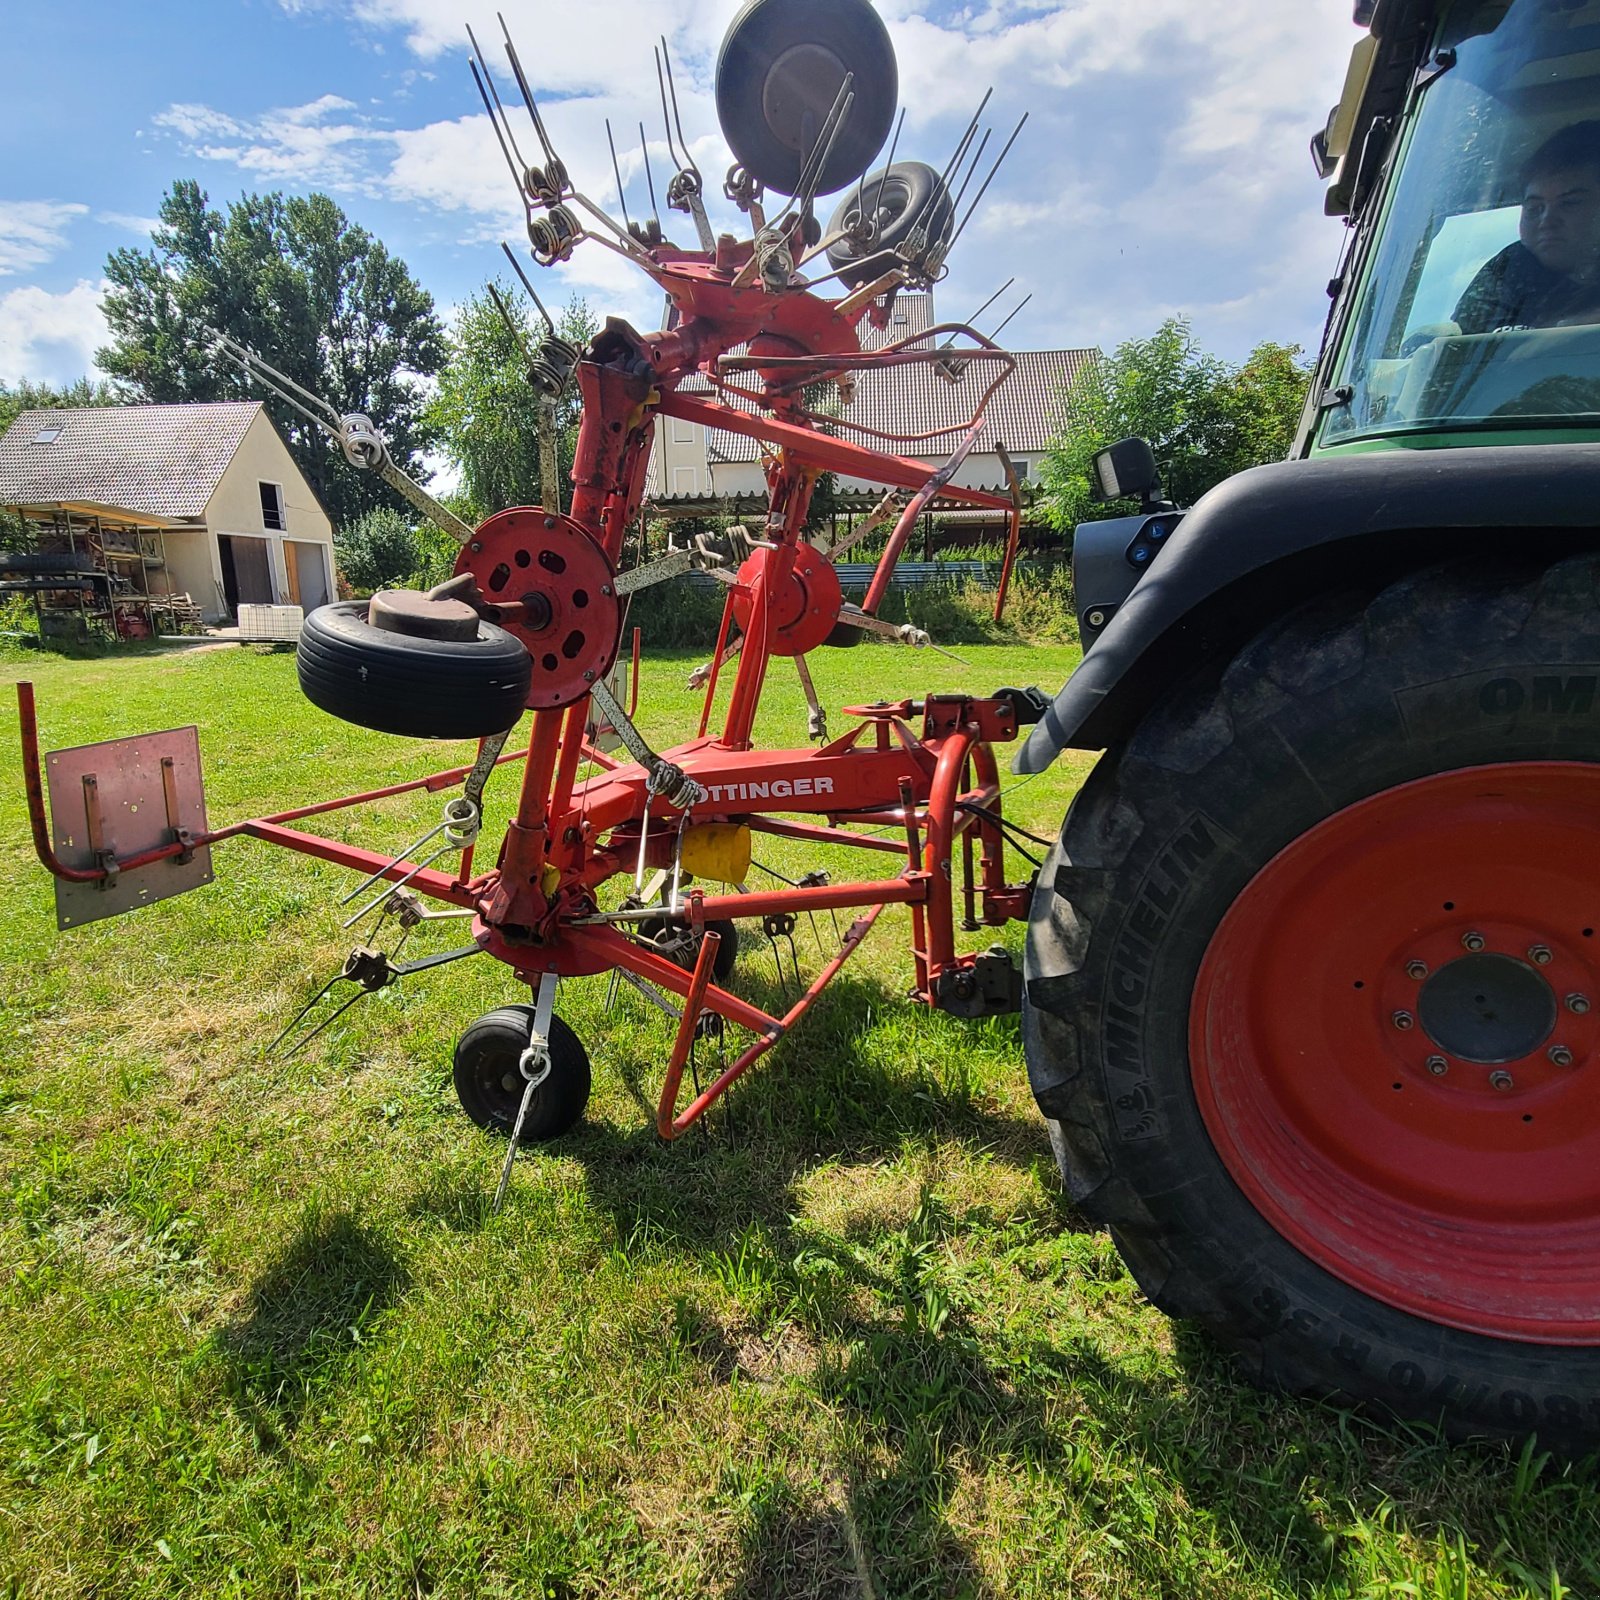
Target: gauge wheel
669 940
396 682
1313 1001
489 1081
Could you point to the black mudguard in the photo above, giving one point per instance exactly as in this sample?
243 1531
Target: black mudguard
1274 536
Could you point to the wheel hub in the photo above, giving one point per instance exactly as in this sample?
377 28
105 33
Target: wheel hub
1394 1046
1486 1008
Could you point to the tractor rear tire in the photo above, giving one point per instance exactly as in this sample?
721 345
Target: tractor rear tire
1311 995
399 683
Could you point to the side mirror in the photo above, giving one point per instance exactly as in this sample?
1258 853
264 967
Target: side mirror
1127 469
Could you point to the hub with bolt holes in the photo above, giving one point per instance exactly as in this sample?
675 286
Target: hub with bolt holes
560 594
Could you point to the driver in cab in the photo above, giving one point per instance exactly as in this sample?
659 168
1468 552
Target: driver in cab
1551 275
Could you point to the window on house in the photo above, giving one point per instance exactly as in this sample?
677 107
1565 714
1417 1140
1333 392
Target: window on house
47 436
272 507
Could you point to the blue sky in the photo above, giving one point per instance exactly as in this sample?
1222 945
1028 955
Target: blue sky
1163 169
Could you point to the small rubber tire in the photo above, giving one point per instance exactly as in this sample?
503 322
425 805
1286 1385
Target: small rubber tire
489 1082
845 34
419 688
1344 702
902 193
727 956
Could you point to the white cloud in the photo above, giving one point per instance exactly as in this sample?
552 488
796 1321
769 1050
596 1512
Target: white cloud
33 232
50 338
290 144
1163 166
127 222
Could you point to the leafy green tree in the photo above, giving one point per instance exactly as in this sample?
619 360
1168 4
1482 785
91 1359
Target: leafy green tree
378 550
1205 419
311 292
486 410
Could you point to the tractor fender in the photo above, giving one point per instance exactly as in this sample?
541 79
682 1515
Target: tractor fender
1274 536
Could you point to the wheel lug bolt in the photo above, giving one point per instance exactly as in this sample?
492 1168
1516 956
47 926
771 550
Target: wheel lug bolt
1500 1080
1578 1004
1472 941
1438 1066
1417 969
1540 955
1560 1054
1401 1019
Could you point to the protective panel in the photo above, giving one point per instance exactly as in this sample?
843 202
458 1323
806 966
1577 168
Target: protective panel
126 796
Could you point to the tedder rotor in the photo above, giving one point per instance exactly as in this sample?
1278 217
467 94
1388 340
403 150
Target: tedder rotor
607 873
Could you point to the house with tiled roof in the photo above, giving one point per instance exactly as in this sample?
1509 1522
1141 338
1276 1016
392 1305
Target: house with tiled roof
202 502
695 469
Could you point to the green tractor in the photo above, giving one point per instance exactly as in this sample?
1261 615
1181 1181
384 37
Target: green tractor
1313 976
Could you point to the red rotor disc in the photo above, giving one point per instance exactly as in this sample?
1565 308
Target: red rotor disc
571 619
805 608
1393 1043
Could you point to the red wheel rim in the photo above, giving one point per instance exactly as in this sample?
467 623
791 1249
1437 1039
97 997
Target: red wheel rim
1369 1048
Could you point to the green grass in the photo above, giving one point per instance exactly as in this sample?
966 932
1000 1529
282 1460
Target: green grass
260 1334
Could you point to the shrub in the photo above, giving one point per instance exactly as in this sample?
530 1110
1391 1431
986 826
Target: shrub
378 549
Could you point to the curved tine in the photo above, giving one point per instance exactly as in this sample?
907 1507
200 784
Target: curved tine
972 167
527 93
1010 314
516 266
894 144
488 78
666 56
987 181
827 137
972 320
962 146
666 120
511 323
616 172
494 121
649 177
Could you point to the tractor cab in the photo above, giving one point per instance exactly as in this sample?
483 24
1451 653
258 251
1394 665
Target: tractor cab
1466 150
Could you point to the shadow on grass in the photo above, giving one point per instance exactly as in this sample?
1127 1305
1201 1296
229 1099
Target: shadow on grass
302 1325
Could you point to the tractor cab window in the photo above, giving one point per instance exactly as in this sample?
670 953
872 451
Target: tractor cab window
1480 305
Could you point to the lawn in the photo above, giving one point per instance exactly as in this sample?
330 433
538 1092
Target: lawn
260 1333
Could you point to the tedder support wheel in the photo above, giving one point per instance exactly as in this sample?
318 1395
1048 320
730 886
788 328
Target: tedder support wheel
1313 1000
489 1081
425 688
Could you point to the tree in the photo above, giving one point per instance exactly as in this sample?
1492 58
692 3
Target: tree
378 550
485 411
310 292
1205 419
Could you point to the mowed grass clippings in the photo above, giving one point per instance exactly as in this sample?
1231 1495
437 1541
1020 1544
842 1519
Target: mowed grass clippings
260 1333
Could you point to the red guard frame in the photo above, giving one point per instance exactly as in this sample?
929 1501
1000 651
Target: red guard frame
538 908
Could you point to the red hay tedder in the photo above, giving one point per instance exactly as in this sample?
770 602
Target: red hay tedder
534 617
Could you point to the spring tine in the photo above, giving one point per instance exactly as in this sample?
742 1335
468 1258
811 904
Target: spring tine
972 167
666 120
616 172
815 933
612 988
327 1022
400 883
672 89
532 294
389 866
295 1020
649 177
527 93
962 145
497 111
894 144
511 323
987 181
515 166
1014 310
